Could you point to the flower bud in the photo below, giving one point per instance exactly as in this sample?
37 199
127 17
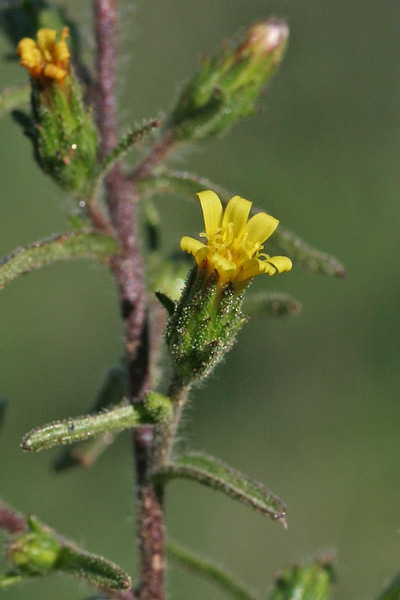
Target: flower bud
63 131
228 85
35 553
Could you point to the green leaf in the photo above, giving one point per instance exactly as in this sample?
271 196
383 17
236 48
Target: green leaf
270 305
392 591
207 569
126 143
310 582
94 569
219 476
112 392
166 302
282 242
154 409
66 246
14 97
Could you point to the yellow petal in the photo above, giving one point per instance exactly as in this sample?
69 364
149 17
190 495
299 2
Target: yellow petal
45 40
281 263
190 245
212 211
237 212
54 72
260 228
254 267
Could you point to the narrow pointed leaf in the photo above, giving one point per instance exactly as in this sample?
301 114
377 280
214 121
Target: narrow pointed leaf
283 241
61 247
166 301
392 591
14 97
219 476
207 569
155 409
126 143
270 305
94 569
313 581
112 392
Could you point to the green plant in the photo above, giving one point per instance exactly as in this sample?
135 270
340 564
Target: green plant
202 320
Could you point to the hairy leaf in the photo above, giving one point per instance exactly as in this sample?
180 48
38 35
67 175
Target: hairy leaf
125 144
155 409
111 393
219 476
207 569
66 246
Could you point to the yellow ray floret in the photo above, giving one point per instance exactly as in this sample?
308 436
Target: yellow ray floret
233 244
46 58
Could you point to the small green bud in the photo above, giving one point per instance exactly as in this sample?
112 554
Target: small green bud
204 324
228 85
157 408
312 581
36 552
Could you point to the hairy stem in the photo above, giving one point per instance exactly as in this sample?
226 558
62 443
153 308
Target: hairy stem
128 272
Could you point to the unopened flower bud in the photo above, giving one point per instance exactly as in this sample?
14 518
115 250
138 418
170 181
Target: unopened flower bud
34 553
228 85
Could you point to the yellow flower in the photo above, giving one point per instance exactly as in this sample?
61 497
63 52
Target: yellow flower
234 244
46 58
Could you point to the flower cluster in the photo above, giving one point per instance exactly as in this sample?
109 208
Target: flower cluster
234 244
46 58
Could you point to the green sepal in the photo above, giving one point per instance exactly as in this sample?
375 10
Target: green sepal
227 86
392 590
270 305
13 97
204 325
41 551
282 242
313 581
219 476
66 246
65 141
111 393
209 570
166 302
154 410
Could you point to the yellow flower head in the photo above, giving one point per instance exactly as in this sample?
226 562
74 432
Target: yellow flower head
46 58
234 244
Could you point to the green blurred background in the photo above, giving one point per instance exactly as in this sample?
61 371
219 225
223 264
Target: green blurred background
309 406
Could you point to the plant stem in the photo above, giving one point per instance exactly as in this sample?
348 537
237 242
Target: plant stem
128 272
